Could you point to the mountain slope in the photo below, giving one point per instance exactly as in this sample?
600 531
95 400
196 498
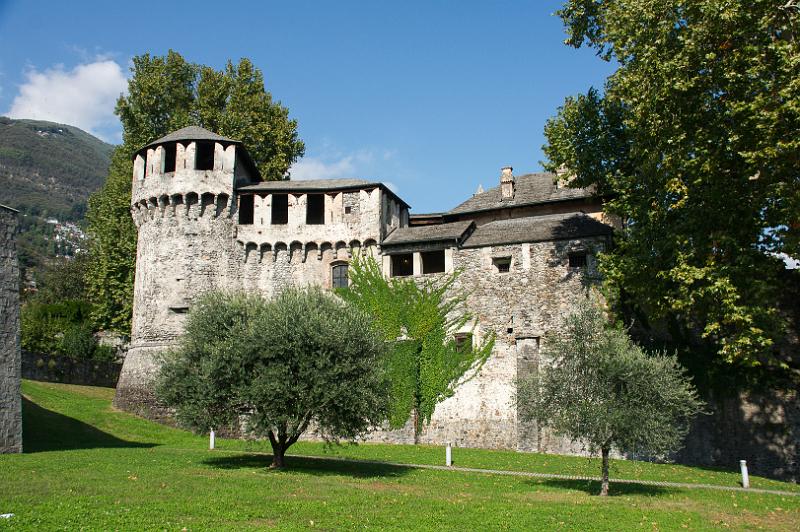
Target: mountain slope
48 168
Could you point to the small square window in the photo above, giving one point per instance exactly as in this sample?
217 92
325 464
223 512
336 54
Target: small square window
463 341
402 265
347 210
577 260
502 264
339 277
432 261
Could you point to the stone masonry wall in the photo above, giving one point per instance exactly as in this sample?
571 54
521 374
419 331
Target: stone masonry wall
520 307
10 400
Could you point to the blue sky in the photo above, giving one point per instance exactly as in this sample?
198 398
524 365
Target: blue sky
432 97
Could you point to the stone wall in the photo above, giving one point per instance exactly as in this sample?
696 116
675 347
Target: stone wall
520 307
760 427
10 400
48 368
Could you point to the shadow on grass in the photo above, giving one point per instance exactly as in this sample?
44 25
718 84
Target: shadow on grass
45 430
313 466
592 487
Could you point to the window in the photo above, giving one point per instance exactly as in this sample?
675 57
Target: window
246 209
280 209
347 210
204 156
433 261
502 264
577 259
170 151
402 265
463 341
315 209
339 277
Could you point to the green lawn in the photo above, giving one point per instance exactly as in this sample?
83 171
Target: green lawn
88 466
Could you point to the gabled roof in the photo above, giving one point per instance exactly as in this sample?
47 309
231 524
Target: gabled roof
455 232
529 189
318 185
536 229
191 133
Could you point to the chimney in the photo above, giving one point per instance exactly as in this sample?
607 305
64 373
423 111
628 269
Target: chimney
507 183
563 176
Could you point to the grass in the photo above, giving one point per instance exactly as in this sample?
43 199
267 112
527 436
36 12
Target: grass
88 466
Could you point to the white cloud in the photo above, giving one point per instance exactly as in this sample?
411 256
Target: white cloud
84 96
363 164
316 168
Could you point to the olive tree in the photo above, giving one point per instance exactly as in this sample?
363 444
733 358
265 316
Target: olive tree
602 390
277 368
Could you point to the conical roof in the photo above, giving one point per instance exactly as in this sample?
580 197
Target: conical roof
191 133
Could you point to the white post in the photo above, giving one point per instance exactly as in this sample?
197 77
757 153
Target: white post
745 476
211 438
448 455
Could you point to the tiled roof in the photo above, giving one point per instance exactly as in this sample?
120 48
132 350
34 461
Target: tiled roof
191 133
529 189
311 184
536 229
454 231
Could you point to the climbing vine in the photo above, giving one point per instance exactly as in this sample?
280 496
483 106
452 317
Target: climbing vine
419 318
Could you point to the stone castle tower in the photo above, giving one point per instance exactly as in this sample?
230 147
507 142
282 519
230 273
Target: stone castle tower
205 221
183 205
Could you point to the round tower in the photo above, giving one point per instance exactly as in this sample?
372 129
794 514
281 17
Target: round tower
183 204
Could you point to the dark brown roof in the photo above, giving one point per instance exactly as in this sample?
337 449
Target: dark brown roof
536 229
318 185
529 189
454 231
191 133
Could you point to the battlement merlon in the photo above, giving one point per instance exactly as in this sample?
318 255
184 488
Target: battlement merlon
190 160
325 210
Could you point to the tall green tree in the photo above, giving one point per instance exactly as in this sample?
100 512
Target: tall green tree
303 358
694 143
166 93
598 388
426 362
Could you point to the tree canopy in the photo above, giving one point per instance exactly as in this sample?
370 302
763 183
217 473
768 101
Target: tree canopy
426 361
164 94
693 141
597 387
302 359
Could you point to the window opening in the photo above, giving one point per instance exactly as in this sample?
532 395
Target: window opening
502 264
169 157
315 209
280 209
433 261
577 260
347 210
204 156
402 265
339 277
246 209
463 341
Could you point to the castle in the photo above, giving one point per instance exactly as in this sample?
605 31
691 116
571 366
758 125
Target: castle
205 221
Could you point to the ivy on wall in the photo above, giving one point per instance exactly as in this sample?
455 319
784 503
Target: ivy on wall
419 317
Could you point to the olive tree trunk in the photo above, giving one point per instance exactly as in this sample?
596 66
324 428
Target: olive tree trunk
604 481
